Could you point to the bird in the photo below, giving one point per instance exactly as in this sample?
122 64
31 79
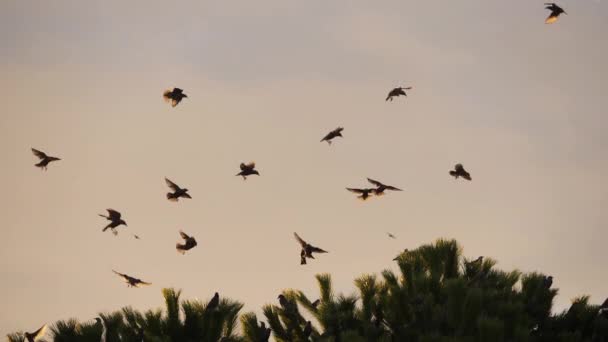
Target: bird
247 170
283 302
307 329
401 254
333 134
380 188
315 304
44 159
547 282
390 235
307 249
397 92
174 96
136 236
177 191
364 194
459 171
131 281
115 219
189 243
31 337
555 12
477 262
214 302
265 332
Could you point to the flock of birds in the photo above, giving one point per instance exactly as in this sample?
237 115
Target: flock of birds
174 97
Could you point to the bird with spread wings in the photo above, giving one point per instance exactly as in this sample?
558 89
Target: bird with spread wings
131 281
307 249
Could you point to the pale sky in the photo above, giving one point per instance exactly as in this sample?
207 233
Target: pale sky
518 102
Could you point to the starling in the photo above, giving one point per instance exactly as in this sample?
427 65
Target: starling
174 96
115 220
364 194
283 301
390 235
189 243
214 303
380 188
31 337
307 249
248 170
132 282
397 92
177 191
44 159
333 134
459 171
555 12
136 236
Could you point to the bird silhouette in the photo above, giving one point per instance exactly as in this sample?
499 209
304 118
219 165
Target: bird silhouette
405 251
44 159
247 170
31 337
131 281
177 191
189 243
264 332
548 282
380 188
459 171
136 236
174 96
399 91
316 303
475 263
333 134
390 235
115 219
214 303
307 329
364 194
283 302
555 12
307 249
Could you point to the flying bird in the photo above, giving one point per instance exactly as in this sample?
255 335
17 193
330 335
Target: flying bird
555 12
174 96
131 282
189 243
247 170
115 219
391 235
136 236
364 194
459 171
177 191
333 134
44 159
397 92
31 337
380 188
307 249
214 302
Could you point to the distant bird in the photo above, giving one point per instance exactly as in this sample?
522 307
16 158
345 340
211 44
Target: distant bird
397 92
189 243
475 263
265 332
555 12
307 329
115 220
136 236
315 304
401 254
174 96
214 303
333 134
390 235
177 191
459 171
547 282
248 170
380 188
31 337
364 194
283 301
132 282
307 249
44 159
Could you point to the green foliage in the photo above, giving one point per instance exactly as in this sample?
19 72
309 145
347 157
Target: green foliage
437 295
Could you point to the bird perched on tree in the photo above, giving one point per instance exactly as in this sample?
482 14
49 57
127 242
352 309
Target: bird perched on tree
131 281
174 96
307 329
247 170
115 219
333 134
547 282
214 303
364 194
307 249
401 254
44 159
316 303
177 191
397 92
189 243
264 332
380 188
31 337
459 171
555 12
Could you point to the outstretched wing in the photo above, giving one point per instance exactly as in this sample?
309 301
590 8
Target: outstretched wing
38 153
302 242
172 185
167 95
357 191
375 182
184 235
390 187
113 215
123 276
141 283
317 250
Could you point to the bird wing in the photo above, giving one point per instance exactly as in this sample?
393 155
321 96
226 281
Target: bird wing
167 95
337 130
251 165
302 242
317 250
357 191
375 182
184 235
178 90
38 153
38 333
390 187
123 276
113 215
172 185
141 283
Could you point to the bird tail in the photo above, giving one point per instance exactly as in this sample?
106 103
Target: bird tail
105 228
171 197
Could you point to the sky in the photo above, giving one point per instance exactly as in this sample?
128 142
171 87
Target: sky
518 102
